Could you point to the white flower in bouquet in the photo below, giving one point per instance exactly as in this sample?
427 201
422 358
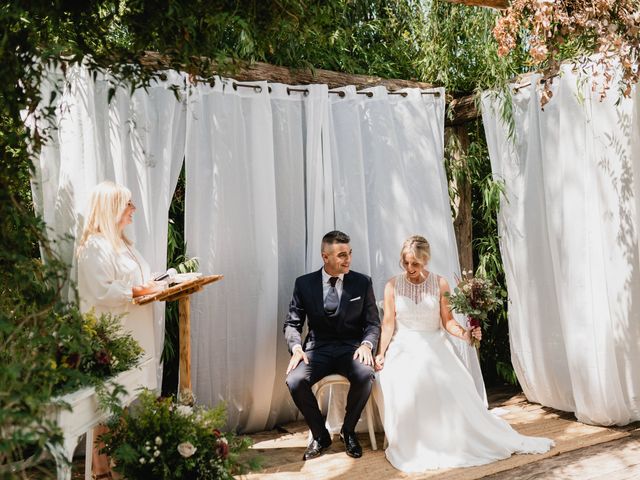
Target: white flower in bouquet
186 449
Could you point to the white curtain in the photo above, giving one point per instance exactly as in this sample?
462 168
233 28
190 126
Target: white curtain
304 213
136 140
268 173
231 225
568 236
390 183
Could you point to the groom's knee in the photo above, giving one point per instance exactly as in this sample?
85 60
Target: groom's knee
362 375
297 380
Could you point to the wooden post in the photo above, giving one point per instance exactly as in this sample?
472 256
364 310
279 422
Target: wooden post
458 141
184 315
181 292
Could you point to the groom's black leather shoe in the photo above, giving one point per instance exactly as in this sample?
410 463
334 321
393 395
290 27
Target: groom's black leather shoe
351 444
316 448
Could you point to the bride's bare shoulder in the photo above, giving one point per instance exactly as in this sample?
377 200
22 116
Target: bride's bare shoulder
442 283
392 281
390 285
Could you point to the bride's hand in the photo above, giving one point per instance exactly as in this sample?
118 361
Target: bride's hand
379 363
477 333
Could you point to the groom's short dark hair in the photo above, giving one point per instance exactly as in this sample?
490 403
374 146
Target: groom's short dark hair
335 236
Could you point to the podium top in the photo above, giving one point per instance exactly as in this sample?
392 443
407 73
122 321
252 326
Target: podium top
177 291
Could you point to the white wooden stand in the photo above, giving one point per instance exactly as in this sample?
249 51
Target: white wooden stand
85 414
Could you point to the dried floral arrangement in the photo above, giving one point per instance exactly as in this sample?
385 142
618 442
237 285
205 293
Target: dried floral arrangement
556 30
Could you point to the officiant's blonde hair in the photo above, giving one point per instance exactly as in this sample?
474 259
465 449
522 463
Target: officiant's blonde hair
107 205
417 246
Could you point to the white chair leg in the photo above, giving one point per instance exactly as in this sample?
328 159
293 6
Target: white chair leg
372 433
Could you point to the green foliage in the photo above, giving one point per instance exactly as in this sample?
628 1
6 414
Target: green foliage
487 193
54 356
432 41
157 438
175 254
459 51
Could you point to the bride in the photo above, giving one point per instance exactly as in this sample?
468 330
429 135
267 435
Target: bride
433 415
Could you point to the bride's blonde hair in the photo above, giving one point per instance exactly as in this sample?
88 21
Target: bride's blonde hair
417 246
107 205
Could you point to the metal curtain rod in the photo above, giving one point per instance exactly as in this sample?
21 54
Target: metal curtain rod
542 80
305 91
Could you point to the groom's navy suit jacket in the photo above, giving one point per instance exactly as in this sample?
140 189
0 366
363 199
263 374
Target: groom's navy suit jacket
355 321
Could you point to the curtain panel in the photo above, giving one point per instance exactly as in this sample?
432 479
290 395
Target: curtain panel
135 139
568 235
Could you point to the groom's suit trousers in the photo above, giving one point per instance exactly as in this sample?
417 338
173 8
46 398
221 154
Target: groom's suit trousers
325 360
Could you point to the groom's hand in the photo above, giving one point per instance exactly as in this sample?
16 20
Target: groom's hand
298 354
363 353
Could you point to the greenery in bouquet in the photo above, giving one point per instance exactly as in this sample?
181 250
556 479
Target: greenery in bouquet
160 438
475 297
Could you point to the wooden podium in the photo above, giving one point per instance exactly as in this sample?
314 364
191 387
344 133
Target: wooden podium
182 292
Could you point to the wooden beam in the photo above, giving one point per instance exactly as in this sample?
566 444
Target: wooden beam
252 72
461 110
498 4
273 73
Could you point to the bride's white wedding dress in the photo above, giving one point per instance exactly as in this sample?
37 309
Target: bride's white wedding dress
433 415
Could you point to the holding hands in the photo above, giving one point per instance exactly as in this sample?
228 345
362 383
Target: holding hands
379 364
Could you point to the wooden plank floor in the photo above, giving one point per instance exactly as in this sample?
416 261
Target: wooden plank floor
582 451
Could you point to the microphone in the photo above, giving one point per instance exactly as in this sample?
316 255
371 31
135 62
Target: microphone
169 273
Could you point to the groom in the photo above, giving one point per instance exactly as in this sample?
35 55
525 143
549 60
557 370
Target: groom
344 328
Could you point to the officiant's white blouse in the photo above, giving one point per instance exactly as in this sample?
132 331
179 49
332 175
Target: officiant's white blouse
105 279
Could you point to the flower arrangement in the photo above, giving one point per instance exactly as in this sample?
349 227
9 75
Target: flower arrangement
87 350
63 352
162 439
557 30
475 297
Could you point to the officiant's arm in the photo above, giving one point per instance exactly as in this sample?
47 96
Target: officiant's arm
448 322
295 319
388 323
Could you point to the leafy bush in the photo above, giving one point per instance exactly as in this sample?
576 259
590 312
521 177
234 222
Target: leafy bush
161 439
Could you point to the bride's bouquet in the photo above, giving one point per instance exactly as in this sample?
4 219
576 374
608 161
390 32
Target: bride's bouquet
474 297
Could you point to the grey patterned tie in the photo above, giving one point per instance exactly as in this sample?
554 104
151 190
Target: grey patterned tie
332 301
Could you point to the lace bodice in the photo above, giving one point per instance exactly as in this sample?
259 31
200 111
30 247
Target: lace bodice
417 306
